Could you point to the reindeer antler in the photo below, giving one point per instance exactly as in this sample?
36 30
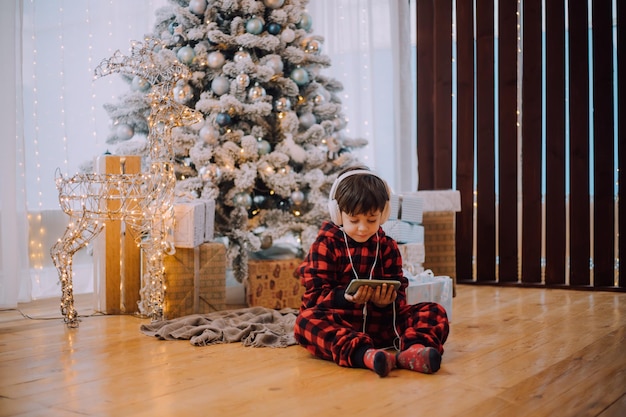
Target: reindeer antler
146 62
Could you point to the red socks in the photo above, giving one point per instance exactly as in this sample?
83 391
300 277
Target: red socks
379 361
419 358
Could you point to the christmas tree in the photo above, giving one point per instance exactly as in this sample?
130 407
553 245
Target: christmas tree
272 138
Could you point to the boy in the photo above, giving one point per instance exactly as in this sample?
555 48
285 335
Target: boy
356 330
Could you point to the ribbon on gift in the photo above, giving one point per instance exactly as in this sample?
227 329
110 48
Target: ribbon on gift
426 287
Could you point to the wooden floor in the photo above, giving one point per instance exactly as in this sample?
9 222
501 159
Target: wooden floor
511 352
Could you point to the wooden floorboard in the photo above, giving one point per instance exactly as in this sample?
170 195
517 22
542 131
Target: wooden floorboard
511 352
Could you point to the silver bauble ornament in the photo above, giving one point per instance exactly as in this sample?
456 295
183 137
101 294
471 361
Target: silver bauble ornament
140 84
256 92
124 131
197 7
220 85
186 54
297 197
243 80
288 35
307 120
282 104
242 200
215 60
209 135
241 55
182 93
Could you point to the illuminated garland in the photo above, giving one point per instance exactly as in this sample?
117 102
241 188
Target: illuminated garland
143 201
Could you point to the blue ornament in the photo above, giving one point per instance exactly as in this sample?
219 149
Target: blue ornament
140 84
223 119
306 22
254 26
171 27
274 28
300 76
186 54
263 147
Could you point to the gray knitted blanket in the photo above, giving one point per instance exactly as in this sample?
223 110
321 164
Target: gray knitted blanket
252 326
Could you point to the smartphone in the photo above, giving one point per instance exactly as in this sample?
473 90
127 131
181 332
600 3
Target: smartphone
355 284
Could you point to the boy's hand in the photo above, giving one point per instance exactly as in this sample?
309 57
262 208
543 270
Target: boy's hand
383 295
380 296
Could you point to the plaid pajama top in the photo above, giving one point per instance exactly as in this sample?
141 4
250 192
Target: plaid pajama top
330 327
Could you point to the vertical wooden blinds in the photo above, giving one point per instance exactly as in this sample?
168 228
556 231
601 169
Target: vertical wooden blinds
537 143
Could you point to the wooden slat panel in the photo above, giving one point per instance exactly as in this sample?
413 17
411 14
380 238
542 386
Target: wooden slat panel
465 138
580 234
425 90
555 143
603 218
485 213
507 115
621 128
531 142
443 95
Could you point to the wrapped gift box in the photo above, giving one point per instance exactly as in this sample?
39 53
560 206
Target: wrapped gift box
195 280
406 207
438 200
273 283
440 242
404 232
116 254
413 255
426 287
439 222
193 222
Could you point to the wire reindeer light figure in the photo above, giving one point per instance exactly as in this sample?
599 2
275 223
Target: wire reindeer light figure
143 201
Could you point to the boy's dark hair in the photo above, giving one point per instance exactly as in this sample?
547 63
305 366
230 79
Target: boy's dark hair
361 194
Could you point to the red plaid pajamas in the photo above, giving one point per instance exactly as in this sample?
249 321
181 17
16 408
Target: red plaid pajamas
331 328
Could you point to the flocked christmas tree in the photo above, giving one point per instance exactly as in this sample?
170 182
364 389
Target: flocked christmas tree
272 138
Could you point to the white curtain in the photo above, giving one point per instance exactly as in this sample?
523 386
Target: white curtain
13 248
53 118
369 44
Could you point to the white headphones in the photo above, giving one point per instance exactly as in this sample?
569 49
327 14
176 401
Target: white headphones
333 207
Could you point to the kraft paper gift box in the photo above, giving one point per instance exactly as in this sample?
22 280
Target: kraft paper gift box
426 287
195 280
273 283
193 222
116 254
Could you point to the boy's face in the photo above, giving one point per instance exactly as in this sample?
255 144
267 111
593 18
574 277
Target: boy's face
361 227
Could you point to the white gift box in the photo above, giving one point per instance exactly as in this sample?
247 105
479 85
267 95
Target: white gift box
426 287
406 207
404 232
193 222
438 200
413 255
